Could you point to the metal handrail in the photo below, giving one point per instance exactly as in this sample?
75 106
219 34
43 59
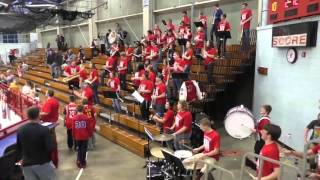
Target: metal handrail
262 159
210 167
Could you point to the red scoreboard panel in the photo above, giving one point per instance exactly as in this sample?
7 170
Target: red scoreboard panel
283 10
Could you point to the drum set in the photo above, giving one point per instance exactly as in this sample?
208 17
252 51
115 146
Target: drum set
172 165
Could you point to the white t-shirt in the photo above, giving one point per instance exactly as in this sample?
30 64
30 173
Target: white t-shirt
26 90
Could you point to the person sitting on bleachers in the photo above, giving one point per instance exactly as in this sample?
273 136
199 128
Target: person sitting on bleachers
165 71
123 69
171 51
209 59
70 71
171 39
114 84
145 89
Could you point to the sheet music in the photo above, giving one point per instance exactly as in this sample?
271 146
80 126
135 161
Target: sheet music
46 124
138 97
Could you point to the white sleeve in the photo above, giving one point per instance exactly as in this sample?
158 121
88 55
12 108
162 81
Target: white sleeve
183 92
199 93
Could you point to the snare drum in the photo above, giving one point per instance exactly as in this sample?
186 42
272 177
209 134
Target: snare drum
183 154
238 122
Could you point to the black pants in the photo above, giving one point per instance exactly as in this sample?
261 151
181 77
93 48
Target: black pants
144 108
82 151
210 73
73 85
222 46
103 48
258 146
123 81
69 138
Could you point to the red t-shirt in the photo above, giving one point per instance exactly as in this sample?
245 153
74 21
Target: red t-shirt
72 70
189 53
88 93
151 37
155 50
160 89
186 20
89 111
179 62
182 29
224 26
246 14
94 73
168 120
114 48
70 112
147 51
129 55
199 43
51 106
171 27
183 118
171 39
146 85
204 20
83 74
270 151
165 73
111 62
137 77
114 83
209 60
152 76
211 141
123 64
81 129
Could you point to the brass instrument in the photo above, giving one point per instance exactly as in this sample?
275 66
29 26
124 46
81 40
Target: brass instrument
153 100
70 78
88 81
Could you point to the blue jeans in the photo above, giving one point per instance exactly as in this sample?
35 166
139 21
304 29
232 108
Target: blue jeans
245 40
44 171
94 87
176 86
102 76
116 105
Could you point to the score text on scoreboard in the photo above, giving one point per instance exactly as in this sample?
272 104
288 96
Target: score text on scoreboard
284 10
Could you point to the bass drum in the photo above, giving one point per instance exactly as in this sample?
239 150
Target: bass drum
238 122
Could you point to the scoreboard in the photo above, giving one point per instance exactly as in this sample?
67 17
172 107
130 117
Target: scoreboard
283 10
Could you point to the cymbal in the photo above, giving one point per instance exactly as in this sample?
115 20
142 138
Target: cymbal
156 152
163 137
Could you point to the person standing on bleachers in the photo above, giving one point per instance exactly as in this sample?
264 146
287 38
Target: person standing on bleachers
94 81
223 33
159 96
203 19
111 62
50 113
114 84
145 89
217 13
86 93
199 40
123 69
246 17
209 59
34 147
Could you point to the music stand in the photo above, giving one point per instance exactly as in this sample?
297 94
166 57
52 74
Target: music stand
179 75
110 94
198 24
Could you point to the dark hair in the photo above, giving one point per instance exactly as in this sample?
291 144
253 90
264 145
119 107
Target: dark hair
217 5
93 66
50 93
224 15
273 130
268 108
211 44
245 4
205 122
85 101
171 103
140 66
150 32
79 108
72 98
146 74
33 113
184 12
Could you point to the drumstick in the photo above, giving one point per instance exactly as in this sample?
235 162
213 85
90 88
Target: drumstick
251 175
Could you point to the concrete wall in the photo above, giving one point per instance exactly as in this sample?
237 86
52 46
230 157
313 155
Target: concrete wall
76 36
118 8
291 89
49 37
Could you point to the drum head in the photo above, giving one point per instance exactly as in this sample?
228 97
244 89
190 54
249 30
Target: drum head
183 154
239 124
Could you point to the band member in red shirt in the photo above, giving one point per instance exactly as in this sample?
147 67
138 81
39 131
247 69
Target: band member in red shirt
111 62
94 81
167 120
209 59
211 141
203 19
223 33
182 126
179 66
50 113
83 74
72 70
246 17
70 111
154 55
159 96
86 93
185 18
165 72
138 75
114 84
152 74
81 132
170 26
150 36
145 89
158 33
199 40
90 112
270 134
129 54
147 51
187 57
123 69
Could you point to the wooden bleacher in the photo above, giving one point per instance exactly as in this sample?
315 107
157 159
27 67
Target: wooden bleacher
123 128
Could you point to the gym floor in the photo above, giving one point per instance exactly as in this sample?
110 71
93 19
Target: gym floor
111 161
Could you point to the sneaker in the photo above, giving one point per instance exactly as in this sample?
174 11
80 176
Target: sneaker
79 164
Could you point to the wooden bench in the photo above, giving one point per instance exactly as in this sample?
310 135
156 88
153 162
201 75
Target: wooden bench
124 139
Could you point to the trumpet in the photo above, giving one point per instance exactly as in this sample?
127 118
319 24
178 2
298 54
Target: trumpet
153 100
70 78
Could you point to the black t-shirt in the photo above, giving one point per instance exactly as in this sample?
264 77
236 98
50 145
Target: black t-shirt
315 126
34 144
